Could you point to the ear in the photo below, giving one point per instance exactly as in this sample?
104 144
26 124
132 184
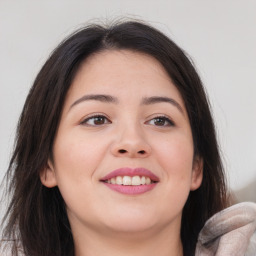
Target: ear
197 173
47 176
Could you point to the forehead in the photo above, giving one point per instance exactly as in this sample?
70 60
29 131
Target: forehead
122 73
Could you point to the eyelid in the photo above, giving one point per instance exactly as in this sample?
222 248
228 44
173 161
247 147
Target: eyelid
164 116
94 115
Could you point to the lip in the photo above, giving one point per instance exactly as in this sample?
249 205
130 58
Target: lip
131 190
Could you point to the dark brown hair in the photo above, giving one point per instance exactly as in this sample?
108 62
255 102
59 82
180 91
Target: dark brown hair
36 218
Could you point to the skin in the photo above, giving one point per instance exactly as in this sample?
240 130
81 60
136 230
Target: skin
103 221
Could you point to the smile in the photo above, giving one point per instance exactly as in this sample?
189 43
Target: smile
130 181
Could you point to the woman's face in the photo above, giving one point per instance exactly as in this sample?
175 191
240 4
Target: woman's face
123 114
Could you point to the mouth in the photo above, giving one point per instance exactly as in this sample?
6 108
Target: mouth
130 181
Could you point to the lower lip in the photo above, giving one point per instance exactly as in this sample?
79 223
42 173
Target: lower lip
131 190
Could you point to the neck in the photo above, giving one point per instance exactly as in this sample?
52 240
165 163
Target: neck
161 243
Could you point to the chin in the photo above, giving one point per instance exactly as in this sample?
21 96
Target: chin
132 221
131 229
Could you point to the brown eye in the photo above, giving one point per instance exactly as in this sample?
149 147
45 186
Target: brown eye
99 120
161 121
95 121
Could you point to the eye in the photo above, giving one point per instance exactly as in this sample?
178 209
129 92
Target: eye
161 121
96 120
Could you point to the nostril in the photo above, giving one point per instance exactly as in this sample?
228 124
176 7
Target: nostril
122 151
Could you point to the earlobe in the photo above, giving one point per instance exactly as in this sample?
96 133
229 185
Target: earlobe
197 173
47 176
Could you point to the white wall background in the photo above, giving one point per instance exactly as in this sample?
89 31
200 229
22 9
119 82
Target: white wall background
220 36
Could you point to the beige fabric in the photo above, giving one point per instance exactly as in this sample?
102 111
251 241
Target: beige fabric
231 232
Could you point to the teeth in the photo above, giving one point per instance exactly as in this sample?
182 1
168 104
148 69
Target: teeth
119 180
148 181
127 180
136 180
113 181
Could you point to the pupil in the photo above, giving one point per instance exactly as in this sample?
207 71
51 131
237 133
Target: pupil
99 120
159 121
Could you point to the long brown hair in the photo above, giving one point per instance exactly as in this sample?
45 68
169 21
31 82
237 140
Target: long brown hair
36 217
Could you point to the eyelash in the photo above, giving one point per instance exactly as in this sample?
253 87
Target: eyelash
165 119
107 121
85 121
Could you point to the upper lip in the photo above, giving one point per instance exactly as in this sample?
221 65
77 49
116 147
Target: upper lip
126 171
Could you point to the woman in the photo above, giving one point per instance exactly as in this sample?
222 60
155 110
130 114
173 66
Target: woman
116 152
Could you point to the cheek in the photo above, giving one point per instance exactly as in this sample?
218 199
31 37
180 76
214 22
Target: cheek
175 156
76 158
77 154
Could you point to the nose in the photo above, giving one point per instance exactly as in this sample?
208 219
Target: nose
131 143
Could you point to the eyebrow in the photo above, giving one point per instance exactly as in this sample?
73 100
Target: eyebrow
160 99
111 99
97 97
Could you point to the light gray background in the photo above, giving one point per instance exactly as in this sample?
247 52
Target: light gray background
219 35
